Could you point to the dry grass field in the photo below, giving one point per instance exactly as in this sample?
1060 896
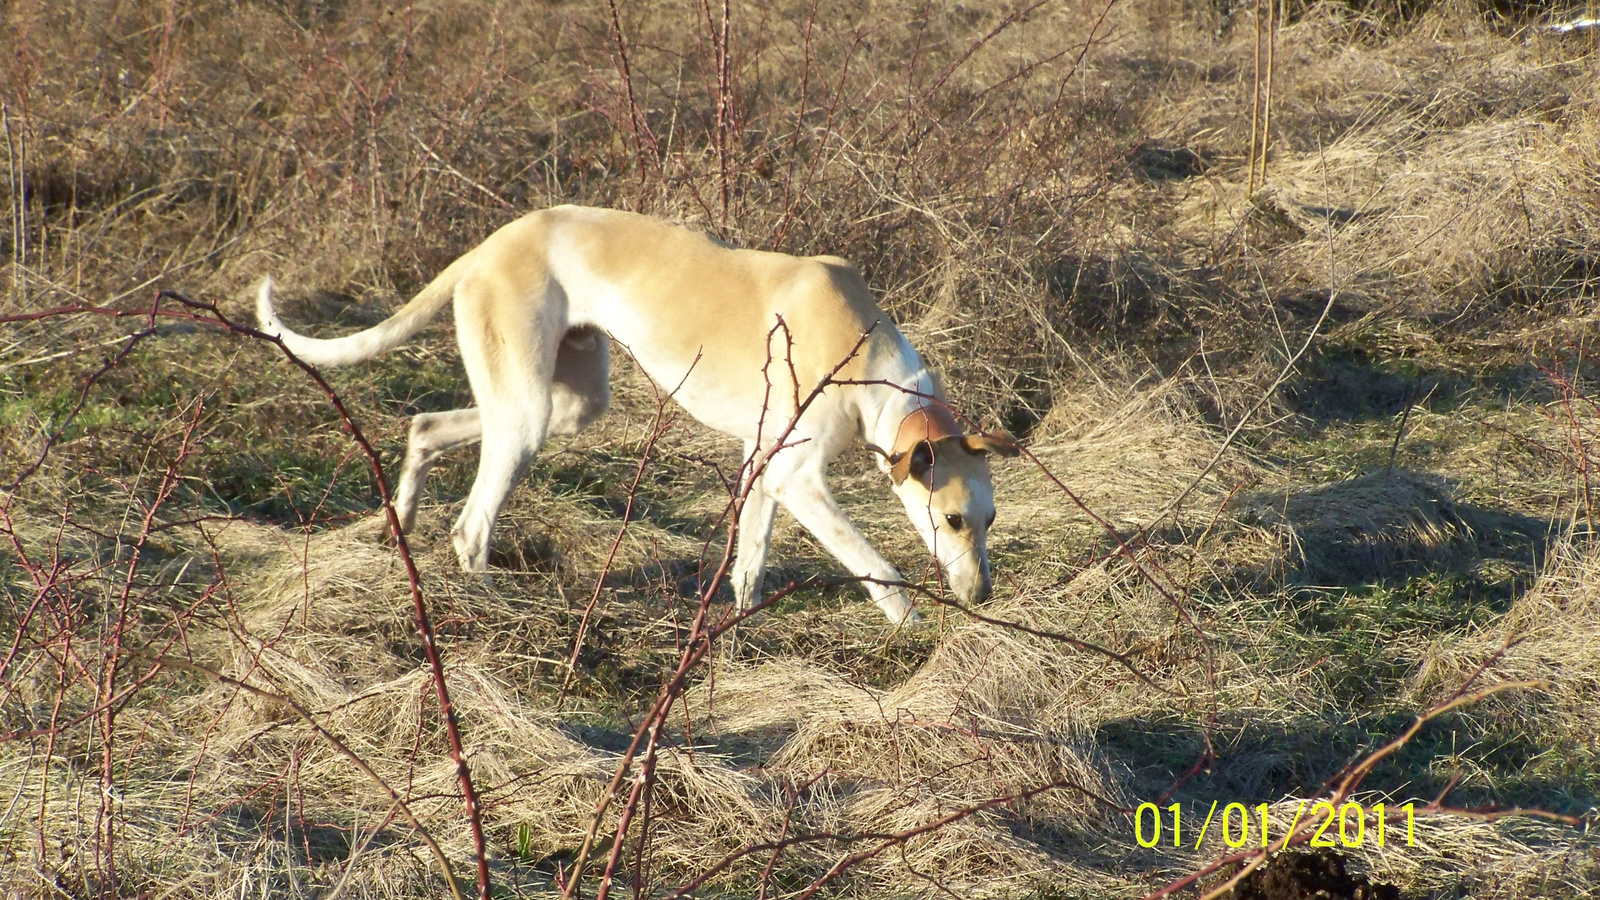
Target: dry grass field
1315 452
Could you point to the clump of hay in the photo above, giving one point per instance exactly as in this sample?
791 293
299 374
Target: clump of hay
313 628
1442 190
1553 633
1463 207
1361 528
994 712
1127 453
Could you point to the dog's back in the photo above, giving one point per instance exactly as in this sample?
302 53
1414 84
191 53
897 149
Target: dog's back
696 312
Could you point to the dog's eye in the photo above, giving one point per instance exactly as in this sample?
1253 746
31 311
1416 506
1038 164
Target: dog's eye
955 522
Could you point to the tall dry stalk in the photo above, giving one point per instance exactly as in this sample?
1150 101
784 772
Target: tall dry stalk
16 183
724 109
1261 96
1255 100
1266 100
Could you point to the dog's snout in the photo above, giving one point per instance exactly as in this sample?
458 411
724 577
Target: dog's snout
984 590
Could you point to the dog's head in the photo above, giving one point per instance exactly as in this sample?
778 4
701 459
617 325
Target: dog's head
942 476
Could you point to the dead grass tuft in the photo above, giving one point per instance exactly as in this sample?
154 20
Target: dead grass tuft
1363 528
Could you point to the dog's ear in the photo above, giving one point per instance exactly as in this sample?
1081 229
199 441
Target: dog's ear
913 463
997 442
921 460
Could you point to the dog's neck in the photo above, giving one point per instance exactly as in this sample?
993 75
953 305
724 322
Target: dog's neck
909 408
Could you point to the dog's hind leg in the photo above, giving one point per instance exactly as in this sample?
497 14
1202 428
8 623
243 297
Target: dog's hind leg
755 538
580 392
508 347
432 436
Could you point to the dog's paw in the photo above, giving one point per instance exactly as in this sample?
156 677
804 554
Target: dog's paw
386 535
899 610
372 528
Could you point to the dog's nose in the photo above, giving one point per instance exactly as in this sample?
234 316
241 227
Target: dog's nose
984 590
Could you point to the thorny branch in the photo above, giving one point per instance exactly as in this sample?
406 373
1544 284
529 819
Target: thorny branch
638 765
413 577
208 313
1358 771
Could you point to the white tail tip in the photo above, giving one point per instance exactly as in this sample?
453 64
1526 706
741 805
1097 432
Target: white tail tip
266 316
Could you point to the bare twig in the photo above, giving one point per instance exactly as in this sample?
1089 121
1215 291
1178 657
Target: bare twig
413 577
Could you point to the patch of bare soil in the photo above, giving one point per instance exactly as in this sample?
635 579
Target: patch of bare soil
1304 876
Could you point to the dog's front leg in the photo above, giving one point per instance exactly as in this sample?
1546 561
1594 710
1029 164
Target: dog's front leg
806 496
755 538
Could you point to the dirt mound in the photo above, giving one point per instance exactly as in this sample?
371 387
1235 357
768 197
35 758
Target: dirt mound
1302 876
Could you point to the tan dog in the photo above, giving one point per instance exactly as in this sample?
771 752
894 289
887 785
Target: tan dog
534 304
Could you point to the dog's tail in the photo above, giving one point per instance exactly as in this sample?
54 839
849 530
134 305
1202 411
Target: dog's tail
380 338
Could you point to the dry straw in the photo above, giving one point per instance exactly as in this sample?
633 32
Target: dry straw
970 160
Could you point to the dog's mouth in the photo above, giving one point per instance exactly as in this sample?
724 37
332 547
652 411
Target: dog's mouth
967 575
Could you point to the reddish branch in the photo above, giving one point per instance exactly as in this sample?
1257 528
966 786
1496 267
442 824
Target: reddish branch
658 427
886 840
207 312
702 635
641 758
414 579
1357 772
645 145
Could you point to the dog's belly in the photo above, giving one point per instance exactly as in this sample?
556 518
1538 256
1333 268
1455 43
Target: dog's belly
702 319
721 384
